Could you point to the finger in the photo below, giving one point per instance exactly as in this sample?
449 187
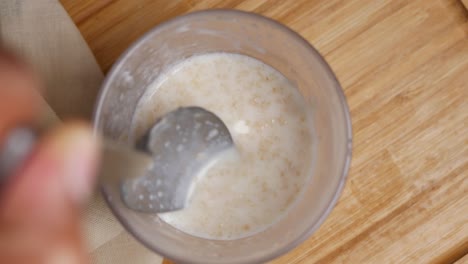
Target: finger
39 212
18 93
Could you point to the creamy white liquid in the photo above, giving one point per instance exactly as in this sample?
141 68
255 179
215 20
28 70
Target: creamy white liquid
244 192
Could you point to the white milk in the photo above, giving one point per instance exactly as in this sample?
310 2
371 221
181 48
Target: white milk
245 193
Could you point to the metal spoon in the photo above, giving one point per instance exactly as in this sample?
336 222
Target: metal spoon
155 177
181 143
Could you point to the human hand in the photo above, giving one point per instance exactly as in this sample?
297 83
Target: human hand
40 204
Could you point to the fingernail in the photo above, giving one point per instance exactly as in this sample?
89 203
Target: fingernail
79 148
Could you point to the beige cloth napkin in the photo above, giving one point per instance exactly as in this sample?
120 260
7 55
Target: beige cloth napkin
43 33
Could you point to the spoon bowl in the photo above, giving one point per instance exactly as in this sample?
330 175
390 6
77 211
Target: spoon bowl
181 144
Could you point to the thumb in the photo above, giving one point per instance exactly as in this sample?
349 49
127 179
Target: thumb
39 212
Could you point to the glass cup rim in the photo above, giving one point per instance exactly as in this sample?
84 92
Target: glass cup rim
291 34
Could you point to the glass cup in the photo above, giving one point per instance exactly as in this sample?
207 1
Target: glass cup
274 44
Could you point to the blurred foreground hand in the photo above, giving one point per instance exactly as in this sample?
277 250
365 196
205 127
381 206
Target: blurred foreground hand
40 203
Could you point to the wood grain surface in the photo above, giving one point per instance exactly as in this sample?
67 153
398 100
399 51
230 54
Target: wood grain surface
465 2
404 68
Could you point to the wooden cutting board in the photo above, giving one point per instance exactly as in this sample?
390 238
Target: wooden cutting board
44 35
465 2
404 68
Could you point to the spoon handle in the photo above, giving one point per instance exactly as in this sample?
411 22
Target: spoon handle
118 161
16 148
